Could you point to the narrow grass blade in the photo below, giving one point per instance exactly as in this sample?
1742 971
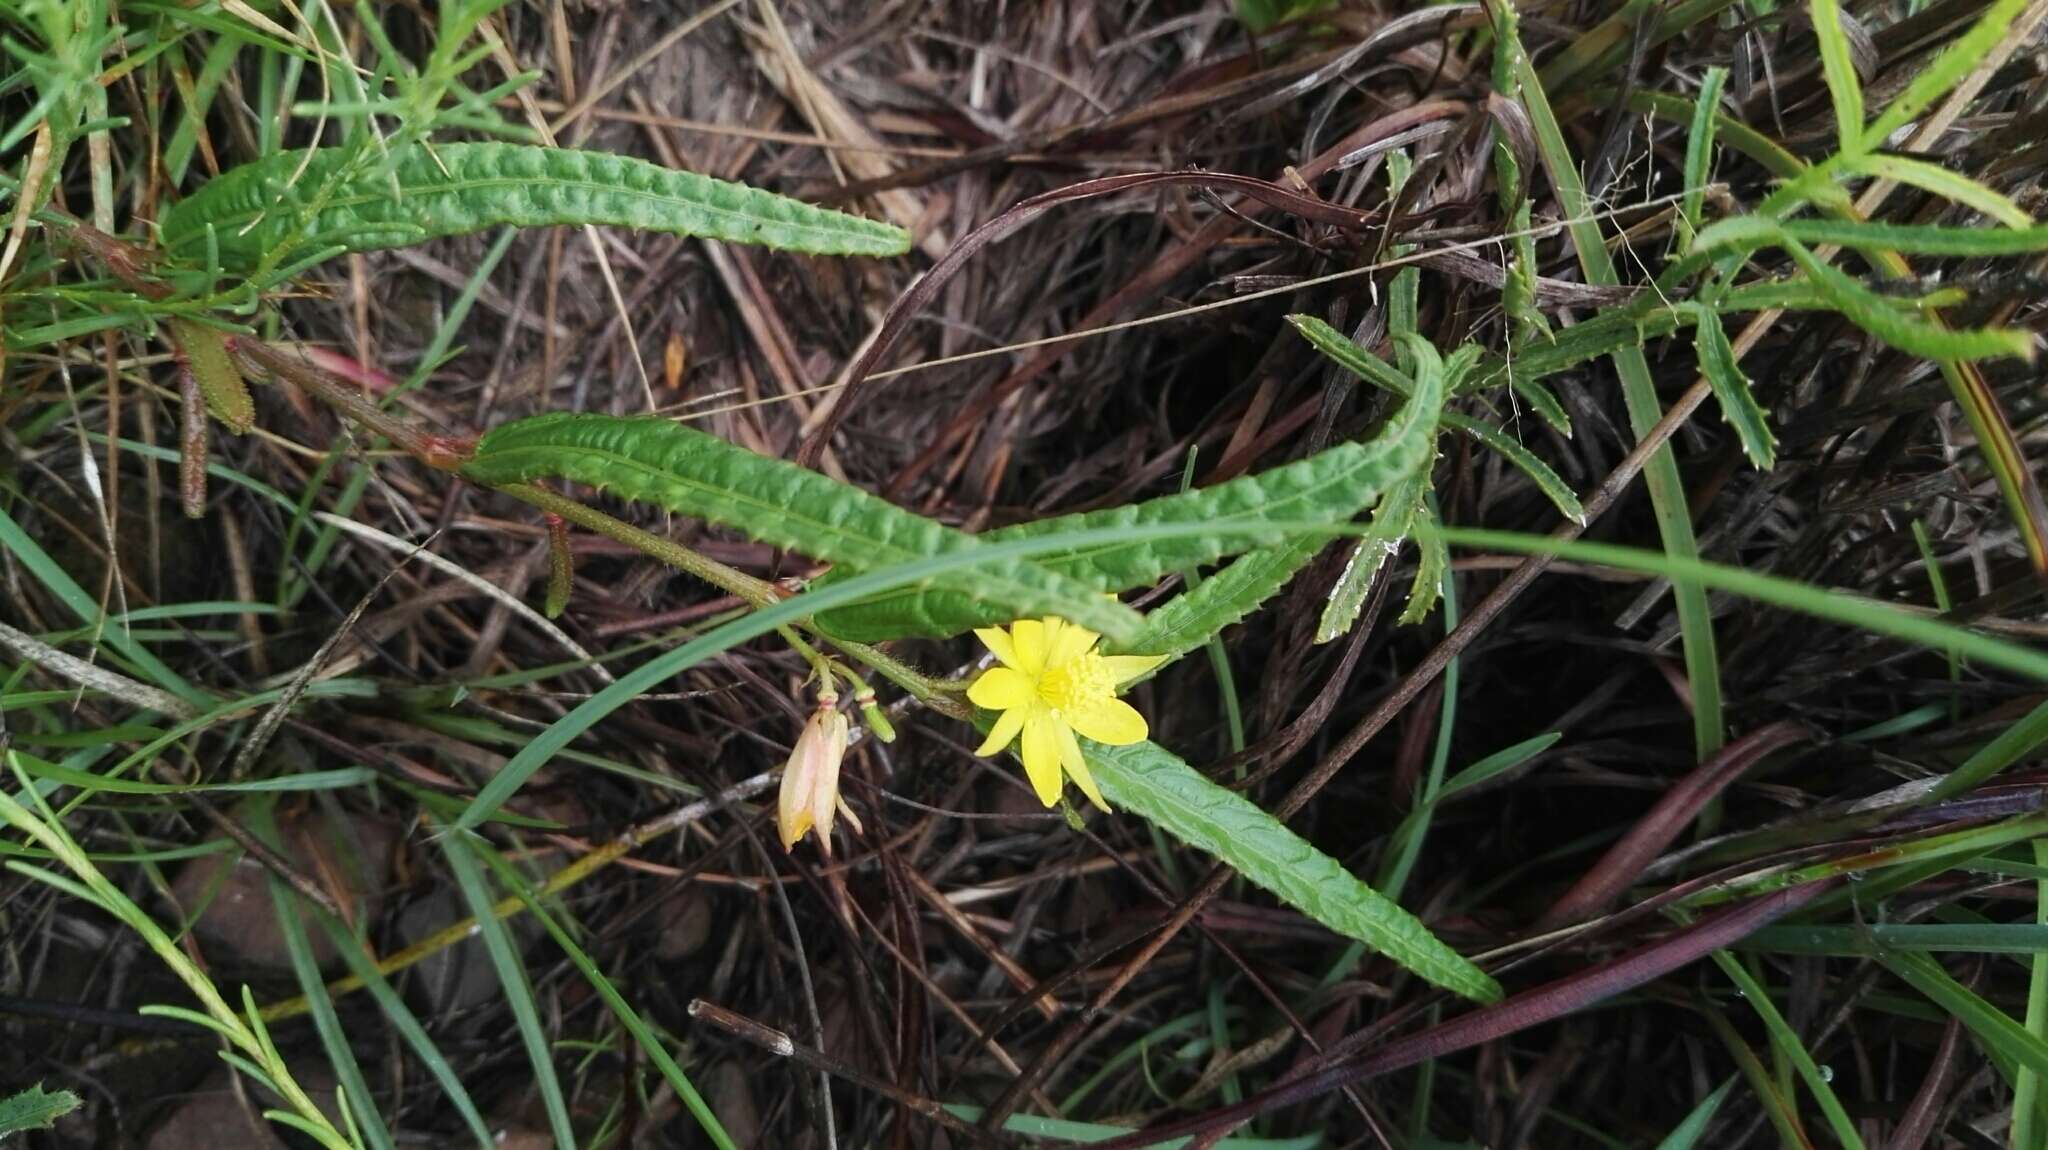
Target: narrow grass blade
1820 602
333 1040
650 1043
2026 1095
402 1020
1639 391
1499 763
1993 1027
1687 1134
1065 1130
1845 91
1790 1046
469 876
60 584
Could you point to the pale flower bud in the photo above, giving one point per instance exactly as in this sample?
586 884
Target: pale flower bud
810 780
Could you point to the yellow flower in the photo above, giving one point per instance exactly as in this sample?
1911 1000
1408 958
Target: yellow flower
1051 686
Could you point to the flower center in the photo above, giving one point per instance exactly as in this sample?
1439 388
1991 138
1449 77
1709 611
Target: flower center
1076 683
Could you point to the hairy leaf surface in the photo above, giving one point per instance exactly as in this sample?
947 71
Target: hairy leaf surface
1329 487
423 192
667 464
1151 781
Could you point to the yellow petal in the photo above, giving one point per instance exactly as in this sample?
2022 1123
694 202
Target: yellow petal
1027 643
1067 643
998 640
1007 725
1001 688
1077 768
1110 721
1042 757
1124 668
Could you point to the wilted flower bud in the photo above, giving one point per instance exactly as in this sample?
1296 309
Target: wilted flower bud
810 780
872 714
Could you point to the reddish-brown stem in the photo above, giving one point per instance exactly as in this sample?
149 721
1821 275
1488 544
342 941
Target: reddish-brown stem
444 453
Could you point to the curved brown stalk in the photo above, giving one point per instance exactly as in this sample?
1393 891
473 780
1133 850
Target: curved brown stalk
1663 823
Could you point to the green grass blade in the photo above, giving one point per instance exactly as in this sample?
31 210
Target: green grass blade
1687 1134
642 1033
469 876
60 584
333 1040
1065 1130
2013 1043
1788 1044
402 1020
1639 390
1499 763
1837 606
1845 91
2013 744
2026 1094
1910 239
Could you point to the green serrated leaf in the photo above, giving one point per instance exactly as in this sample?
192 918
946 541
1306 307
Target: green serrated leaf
1723 372
1699 147
1543 401
291 201
1880 317
1750 232
1329 487
1430 572
1945 71
1372 369
204 352
1390 521
1547 481
665 463
1192 618
1151 781
35 1109
1942 182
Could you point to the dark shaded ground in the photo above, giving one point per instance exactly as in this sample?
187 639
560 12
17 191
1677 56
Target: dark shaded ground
918 938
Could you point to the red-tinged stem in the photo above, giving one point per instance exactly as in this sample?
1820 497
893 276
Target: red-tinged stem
1657 829
444 453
